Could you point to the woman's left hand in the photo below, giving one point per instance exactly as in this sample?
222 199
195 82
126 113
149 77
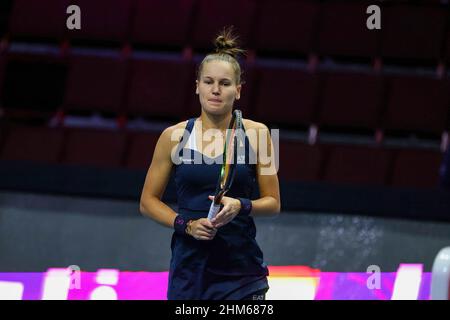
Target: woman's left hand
231 208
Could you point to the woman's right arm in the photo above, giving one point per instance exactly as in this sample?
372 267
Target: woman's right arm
156 181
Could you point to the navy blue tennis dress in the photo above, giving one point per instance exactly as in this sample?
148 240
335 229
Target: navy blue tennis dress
230 266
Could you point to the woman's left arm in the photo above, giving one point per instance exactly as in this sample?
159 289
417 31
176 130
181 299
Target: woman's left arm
269 203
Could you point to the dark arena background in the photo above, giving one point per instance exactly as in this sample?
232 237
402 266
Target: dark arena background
360 96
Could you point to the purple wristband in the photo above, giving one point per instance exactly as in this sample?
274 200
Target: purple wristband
246 206
180 225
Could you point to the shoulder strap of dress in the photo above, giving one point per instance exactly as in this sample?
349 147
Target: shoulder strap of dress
189 126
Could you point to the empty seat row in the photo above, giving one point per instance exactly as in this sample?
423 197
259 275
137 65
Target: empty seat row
363 165
5 9
2 71
357 100
300 27
103 148
351 164
149 87
165 87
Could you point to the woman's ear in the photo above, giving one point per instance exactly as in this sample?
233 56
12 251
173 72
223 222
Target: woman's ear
196 86
238 91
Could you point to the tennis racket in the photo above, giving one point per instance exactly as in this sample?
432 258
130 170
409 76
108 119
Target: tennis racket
228 169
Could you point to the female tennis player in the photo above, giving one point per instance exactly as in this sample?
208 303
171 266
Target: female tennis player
213 259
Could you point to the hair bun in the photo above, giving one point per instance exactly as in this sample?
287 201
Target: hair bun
226 43
222 42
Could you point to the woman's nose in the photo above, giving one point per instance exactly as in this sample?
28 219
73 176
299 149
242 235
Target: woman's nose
215 89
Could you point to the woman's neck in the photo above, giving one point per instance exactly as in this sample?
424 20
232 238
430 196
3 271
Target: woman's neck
220 122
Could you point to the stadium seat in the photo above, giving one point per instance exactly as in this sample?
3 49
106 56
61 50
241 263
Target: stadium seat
417 104
361 165
161 23
140 149
43 20
447 47
2 134
412 32
212 16
342 31
285 26
5 13
37 144
299 161
95 83
285 95
159 87
194 108
416 168
2 73
350 100
95 147
34 82
103 21
246 101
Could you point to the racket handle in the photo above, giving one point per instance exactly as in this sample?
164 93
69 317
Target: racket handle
213 210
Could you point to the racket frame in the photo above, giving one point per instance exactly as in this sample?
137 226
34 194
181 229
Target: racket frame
223 188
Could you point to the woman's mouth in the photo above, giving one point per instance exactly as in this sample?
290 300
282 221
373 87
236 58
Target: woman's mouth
215 101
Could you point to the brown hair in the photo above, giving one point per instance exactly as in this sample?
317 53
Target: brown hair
226 49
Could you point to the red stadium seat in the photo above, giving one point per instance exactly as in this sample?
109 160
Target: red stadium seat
350 100
2 74
103 21
447 47
299 161
2 135
94 147
417 104
416 168
159 87
286 26
357 165
95 83
40 20
194 108
412 32
285 95
33 82
5 13
33 144
162 23
140 149
246 101
212 16
343 32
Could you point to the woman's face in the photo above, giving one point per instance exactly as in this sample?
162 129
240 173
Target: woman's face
217 88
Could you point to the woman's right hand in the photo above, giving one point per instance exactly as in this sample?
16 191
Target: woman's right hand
201 229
